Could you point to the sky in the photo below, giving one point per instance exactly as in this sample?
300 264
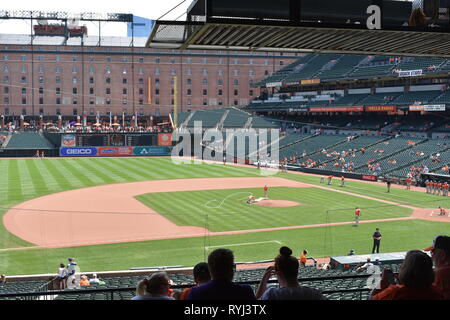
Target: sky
151 9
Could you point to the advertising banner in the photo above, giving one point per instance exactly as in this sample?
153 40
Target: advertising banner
68 140
410 73
310 81
381 108
114 151
78 151
336 109
151 151
434 107
273 84
427 107
368 177
164 139
417 108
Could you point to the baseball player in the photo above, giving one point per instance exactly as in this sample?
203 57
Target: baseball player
357 215
342 181
266 192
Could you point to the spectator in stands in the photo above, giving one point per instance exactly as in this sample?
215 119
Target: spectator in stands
417 18
303 258
415 279
84 282
96 280
71 269
221 287
440 254
365 266
286 269
62 276
154 288
201 276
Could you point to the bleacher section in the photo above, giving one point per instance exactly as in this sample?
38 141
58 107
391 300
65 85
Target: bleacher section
324 280
417 97
344 65
406 157
380 99
28 140
310 145
312 68
22 286
355 144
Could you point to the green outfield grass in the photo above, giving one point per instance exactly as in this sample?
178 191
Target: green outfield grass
25 179
337 240
225 210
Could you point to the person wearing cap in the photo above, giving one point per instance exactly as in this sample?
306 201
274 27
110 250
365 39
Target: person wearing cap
442 211
71 269
376 241
357 215
201 276
415 280
440 254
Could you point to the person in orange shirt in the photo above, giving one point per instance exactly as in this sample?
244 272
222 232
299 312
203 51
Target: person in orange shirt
266 192
84 281
408 183
439 188
445 187
414 281
428 186
357 215
303 258
329 179
342 181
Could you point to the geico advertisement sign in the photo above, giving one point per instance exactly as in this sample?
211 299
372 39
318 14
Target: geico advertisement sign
78 152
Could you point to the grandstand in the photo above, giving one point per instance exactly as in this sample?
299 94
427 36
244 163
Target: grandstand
336 284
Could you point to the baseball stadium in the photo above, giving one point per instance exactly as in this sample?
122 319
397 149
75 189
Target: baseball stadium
234 131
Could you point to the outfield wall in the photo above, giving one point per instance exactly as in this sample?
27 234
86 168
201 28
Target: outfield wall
114 151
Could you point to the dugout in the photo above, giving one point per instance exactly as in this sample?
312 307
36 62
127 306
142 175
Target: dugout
434 177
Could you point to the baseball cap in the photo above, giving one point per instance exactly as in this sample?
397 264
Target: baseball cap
440 242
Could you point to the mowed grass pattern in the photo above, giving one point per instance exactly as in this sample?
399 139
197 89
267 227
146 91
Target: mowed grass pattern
25 179
226 210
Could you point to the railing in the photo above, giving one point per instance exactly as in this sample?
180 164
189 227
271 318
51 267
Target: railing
109 292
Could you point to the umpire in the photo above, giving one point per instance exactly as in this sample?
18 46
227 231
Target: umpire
376 240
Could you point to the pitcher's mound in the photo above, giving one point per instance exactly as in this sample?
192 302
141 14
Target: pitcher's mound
277 203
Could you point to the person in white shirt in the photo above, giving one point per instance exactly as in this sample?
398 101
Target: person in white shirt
62 275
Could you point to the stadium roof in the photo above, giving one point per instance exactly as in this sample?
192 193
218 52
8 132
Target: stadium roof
221 26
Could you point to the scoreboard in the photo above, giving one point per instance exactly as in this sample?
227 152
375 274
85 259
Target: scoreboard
141 140
92 140
114 139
